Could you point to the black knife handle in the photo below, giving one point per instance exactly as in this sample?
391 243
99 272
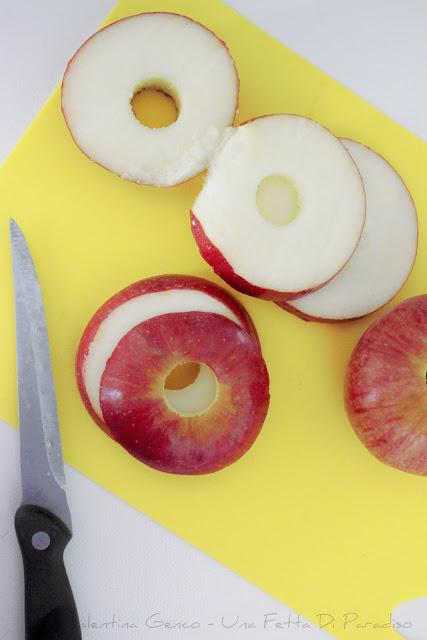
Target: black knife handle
50 610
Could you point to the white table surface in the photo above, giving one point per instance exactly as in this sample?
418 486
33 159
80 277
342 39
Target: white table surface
378 48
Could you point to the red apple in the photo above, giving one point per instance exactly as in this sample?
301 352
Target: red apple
162 51
384 256
202 430
282 208
385 387
131 306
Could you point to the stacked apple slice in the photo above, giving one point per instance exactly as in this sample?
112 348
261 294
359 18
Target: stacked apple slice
282 217
172 369
384 256
282 208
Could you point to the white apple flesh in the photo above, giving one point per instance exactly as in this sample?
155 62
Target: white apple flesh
163 51
279 254
384 256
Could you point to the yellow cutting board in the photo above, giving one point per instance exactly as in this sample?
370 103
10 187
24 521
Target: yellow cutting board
308 514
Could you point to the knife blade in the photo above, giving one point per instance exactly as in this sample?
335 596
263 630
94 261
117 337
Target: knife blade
43 521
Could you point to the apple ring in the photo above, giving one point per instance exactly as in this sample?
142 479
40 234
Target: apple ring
164 51
197 439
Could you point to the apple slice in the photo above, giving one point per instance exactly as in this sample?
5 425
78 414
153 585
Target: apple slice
135 304
385 387
162 51
214 421
282 208
384 256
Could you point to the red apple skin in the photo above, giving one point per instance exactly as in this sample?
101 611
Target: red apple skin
151 285
308 318
140 420
70 62
219 264
386 390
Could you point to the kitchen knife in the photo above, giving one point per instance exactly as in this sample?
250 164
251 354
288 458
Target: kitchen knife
43 521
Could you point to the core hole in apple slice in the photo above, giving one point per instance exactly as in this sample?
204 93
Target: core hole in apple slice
182 375
384 256
282 208
155 106
155 50
277 199
190 389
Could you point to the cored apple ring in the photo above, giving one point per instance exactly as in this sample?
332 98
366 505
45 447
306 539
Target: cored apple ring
164 51
191 435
